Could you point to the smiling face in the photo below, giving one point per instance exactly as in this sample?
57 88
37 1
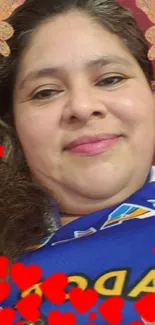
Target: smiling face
75 80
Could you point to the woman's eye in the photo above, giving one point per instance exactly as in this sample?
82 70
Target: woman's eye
110 81
46 93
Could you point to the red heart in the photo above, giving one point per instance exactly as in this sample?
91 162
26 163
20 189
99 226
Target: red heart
56 318
145 307
83 300
28 307
110 309
4 262
4 290
25 276
53 288
1 151
7 315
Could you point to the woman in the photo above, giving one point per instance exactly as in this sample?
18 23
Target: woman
76 94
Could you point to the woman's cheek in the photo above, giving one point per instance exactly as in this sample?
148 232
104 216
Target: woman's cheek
133 110
36 124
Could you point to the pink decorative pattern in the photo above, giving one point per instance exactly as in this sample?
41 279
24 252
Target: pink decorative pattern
6 30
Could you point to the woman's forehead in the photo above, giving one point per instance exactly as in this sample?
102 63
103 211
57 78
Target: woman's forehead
60 46
76 29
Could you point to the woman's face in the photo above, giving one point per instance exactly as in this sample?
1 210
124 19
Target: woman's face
76 80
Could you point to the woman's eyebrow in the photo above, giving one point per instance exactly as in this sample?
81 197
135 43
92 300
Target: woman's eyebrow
96 62
109 60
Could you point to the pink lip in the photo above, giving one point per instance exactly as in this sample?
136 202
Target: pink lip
93 145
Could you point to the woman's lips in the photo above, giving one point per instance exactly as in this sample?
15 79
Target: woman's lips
93 146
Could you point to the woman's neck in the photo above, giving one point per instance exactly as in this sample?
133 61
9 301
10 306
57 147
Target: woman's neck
66 218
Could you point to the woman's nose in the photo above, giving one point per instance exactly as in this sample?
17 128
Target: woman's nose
84 104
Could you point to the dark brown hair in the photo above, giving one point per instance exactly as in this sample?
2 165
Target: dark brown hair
25 210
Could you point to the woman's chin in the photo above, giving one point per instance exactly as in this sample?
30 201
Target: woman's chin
98 187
